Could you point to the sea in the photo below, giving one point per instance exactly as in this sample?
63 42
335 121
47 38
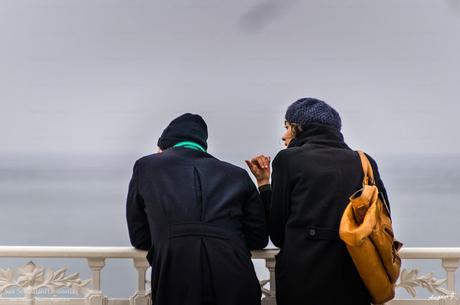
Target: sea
79 200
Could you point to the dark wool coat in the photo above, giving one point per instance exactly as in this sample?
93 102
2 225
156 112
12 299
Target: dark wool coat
198 217
312 181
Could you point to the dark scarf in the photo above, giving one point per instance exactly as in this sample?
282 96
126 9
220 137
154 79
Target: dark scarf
315 133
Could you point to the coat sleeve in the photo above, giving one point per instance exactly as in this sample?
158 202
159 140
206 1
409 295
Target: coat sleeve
280 200
378 180
266 195
138 226
254 222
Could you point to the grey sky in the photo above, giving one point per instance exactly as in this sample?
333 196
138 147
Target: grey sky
107 76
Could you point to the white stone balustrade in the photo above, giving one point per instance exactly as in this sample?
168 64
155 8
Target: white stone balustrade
30 277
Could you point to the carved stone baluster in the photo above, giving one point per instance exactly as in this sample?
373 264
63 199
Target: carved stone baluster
450 265
95 296
271 299
96 264
140 297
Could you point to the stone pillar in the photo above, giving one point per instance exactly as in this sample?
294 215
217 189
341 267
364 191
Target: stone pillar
271 298
95 296
450 265
140 297
96 265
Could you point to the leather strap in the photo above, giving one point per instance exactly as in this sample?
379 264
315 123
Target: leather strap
367 169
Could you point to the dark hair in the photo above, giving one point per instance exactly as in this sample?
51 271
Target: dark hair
295 129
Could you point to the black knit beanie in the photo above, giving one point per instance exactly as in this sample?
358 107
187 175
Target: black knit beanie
187 127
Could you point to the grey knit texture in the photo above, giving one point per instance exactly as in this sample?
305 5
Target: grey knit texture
311 110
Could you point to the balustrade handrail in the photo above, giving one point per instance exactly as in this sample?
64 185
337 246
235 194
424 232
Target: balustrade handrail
130 252
97 256
71 252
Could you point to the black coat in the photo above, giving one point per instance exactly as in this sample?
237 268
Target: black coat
198 217
312 181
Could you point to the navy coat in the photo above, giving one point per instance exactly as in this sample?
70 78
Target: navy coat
198 217
312 181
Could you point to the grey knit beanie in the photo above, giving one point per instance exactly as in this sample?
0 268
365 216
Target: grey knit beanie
311 110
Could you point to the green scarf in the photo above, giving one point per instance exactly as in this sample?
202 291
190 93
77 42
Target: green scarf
189 144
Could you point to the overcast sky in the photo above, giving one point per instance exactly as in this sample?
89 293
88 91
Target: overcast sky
92 76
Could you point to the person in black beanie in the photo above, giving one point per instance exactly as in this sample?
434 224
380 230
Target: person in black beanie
187 127
198 218
311 183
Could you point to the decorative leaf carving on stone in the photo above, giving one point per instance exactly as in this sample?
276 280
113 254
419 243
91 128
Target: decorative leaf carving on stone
6 279
30 278
409 280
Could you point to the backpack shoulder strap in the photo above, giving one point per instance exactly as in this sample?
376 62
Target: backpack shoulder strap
367 169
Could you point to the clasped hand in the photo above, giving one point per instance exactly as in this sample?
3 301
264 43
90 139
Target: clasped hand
260 168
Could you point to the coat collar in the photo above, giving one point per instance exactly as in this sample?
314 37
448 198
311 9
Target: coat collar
314 133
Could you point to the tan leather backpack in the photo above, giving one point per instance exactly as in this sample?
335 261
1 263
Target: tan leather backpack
367 231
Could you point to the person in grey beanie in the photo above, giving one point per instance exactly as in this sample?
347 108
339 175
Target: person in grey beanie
311 183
